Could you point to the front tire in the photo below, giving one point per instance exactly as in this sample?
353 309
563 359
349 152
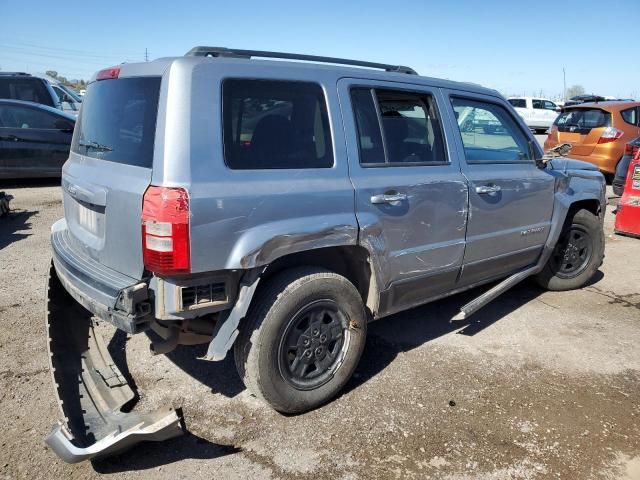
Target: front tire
577 255
302 339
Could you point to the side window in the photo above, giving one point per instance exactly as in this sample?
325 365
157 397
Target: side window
26 89
518 102
538 104
630 116
59 92
489 133
549 105
402 129
21 117
368 126
275 124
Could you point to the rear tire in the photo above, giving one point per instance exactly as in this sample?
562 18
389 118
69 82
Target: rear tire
577 255
302 339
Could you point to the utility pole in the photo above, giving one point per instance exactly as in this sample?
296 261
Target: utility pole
564 85
146 55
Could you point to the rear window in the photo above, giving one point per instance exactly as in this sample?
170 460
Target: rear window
582 120
25 89
118 121
275 124
518 102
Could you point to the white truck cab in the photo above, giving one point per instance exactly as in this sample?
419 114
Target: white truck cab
538 113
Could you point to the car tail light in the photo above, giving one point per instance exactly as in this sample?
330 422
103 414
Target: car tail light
165 230
631 149
610 134
108 73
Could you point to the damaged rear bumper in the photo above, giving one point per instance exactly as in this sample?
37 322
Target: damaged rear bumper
91 390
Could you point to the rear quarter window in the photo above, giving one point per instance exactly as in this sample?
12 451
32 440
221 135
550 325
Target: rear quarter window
630 116
269 124
117 122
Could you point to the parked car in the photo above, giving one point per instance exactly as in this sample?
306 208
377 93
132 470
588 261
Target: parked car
29 88
34 139
630 151
538 113
274 208
598 132
69 98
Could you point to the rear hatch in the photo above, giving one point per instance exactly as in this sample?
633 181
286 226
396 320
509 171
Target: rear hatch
581 127
108 171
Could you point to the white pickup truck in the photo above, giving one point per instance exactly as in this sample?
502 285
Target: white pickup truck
538 113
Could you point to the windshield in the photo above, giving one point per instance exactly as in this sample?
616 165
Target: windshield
118 121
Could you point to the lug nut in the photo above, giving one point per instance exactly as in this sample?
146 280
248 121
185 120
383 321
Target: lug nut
307 353
323 338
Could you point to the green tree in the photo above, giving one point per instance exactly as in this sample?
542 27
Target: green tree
52 73
575 90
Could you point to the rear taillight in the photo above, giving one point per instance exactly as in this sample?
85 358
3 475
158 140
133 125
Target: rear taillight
610 134
631 149
108 73
165 230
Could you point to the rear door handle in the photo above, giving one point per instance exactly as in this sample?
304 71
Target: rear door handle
388 198
488 189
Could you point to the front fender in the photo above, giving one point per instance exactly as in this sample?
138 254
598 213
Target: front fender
571 186
260 245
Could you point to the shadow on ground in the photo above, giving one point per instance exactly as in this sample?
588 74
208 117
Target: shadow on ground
151 454
385 340
13 226
29 183
405 331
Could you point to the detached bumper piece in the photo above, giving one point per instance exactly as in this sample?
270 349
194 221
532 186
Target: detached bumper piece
91 390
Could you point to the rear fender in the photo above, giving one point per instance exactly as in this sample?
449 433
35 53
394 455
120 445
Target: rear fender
265 243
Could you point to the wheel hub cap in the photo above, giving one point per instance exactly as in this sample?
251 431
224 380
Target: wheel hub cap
313 345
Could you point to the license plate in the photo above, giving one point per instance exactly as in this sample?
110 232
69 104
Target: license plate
88 219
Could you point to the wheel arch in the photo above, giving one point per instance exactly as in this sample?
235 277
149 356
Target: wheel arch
350 261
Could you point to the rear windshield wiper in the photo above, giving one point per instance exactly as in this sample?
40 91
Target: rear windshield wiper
94 146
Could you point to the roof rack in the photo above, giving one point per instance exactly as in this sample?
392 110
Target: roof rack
235 53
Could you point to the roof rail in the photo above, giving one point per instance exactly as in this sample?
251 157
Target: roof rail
8 74
235 53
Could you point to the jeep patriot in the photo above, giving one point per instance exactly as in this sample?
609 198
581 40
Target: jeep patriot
273 208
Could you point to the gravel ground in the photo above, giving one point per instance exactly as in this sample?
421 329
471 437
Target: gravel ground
536 385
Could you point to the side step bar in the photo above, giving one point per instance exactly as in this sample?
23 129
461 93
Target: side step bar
477 303
91 390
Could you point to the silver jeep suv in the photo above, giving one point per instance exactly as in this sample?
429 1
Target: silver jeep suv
276 207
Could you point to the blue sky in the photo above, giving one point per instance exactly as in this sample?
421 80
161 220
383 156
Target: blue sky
514 46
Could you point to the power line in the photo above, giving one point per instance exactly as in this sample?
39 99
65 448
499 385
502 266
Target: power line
69 50
62 55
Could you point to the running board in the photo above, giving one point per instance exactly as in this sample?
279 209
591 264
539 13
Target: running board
91 390
477 303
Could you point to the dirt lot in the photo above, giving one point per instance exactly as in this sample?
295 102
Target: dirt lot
536 385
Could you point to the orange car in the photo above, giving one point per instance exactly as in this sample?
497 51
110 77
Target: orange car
598 132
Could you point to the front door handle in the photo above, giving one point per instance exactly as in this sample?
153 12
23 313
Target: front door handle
488 189
388 198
